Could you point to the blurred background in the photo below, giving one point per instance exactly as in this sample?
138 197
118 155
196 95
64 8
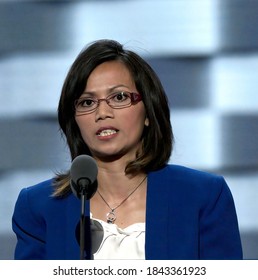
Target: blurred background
205 53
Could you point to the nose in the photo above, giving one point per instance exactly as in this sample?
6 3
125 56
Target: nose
103 111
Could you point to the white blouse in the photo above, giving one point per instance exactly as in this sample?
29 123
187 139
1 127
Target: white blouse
111 242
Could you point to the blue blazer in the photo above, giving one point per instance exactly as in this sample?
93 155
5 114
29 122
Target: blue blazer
190 215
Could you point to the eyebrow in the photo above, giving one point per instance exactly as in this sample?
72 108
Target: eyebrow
92 93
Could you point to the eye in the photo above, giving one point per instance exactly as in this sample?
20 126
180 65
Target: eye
121 96
86 102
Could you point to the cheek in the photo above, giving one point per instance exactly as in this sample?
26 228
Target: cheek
135 122
84 127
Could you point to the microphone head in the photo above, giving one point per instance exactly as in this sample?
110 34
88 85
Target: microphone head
84 168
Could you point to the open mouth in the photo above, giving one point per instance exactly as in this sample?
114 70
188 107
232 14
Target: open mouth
107 132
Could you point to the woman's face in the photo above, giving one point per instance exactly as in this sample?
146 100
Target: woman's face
112 133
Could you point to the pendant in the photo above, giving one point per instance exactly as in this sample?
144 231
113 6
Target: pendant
111 217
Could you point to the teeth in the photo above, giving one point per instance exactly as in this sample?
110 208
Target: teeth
107 132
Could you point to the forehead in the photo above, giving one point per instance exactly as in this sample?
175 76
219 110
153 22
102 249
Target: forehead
108 72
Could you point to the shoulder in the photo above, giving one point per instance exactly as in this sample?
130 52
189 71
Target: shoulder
35 197
43 189
184 174
178 178
194 188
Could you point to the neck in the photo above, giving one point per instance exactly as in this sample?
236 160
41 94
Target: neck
113 182
117 185
119 191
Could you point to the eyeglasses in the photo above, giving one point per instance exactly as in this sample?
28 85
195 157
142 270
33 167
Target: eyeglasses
117 100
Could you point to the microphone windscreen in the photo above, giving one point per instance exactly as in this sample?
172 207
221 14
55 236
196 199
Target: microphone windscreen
84 169
84 166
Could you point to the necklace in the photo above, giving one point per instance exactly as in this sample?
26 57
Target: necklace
111 216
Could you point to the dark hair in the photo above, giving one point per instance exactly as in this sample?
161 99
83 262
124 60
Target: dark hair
157 138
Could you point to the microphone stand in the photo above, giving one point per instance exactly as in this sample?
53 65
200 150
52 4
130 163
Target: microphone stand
85 249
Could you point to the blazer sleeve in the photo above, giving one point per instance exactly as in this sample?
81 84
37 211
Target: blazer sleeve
28 228
219 232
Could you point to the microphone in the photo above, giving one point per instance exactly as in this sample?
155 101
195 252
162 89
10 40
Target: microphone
83 173
84 184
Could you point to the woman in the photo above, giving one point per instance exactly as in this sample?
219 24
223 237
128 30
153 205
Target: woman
114 108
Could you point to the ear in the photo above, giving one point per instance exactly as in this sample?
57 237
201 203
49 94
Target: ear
146 122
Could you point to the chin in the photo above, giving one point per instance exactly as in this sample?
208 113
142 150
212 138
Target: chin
114 156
